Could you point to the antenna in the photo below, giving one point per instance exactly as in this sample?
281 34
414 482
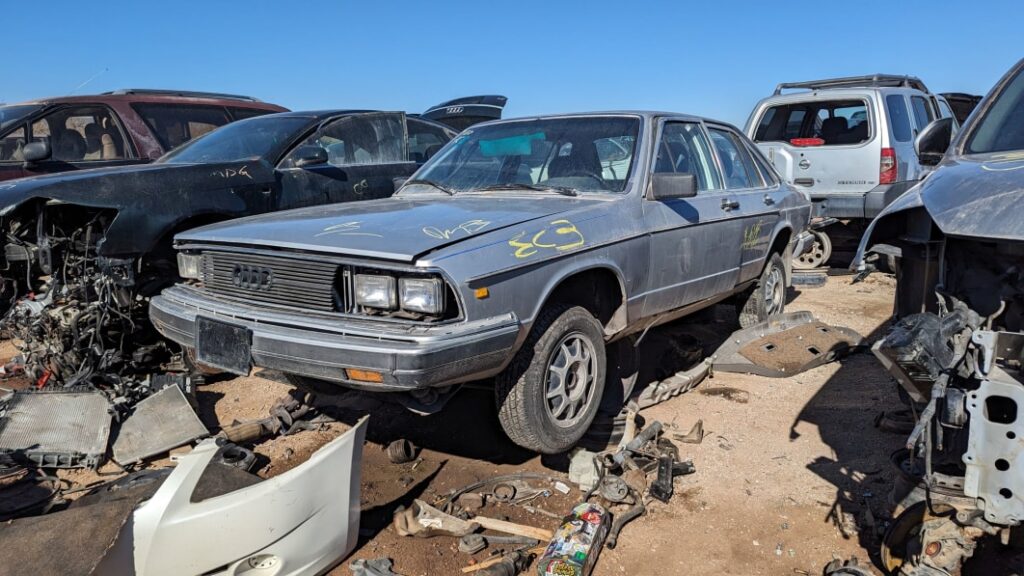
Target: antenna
91 78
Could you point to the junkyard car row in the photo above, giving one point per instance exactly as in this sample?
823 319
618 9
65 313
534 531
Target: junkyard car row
390 252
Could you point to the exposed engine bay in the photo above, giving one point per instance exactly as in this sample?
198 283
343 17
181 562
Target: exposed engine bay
77 317
957 351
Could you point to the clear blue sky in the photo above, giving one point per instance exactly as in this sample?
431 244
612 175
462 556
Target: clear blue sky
714 58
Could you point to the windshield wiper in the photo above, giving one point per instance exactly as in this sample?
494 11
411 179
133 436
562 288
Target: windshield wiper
432 184
563 190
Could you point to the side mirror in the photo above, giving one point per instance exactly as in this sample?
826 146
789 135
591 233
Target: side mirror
310 156
36 152
668 185
931 144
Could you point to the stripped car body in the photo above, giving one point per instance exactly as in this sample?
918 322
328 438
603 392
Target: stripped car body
595 216
85 250
958 345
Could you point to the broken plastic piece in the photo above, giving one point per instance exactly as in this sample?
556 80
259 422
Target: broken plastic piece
376 567
424 521
303 521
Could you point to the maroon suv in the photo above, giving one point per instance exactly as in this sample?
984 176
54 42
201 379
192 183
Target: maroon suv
111 129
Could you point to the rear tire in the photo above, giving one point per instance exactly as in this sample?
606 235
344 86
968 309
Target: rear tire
769 296
548 396
818 255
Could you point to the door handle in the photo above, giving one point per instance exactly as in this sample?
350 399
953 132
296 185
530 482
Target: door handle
728 205
768 199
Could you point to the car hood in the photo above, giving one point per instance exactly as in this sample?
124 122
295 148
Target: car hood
149 198
397 228
974 197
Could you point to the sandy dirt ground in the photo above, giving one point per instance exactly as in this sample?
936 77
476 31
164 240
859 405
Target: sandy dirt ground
791 473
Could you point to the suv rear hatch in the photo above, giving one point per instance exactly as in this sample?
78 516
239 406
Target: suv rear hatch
827 144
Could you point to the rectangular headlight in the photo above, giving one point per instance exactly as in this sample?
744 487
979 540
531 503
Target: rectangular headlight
424 295
376 291
189 265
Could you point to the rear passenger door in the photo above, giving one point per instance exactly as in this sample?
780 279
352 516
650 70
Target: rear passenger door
694 248
754 199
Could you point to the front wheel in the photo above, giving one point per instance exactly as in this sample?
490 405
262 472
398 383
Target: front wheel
769 296
548 396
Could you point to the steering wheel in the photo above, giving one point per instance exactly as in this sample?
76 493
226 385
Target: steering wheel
584 173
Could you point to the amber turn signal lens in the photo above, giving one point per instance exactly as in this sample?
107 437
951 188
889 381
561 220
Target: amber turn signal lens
365 375
481 293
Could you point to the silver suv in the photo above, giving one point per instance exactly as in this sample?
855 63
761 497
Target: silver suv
849 143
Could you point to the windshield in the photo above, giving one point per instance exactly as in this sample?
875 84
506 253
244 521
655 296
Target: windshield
1002 127
567 155
12 114
251 139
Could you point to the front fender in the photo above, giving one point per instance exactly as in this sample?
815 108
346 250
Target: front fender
908 201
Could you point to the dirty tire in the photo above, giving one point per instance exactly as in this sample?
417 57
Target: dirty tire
769 295
314 385
818 255
522 391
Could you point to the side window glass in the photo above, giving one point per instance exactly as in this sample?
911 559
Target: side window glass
363 139
922 111
767 176
896 104
11 146
85 134
173 125
737 166
684 149
424 140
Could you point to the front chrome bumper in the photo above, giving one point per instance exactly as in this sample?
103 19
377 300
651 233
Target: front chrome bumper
409 356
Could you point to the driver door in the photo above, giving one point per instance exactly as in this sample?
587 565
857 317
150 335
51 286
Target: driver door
695 246
366 152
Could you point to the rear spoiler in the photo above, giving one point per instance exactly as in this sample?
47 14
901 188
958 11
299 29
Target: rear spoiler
462 113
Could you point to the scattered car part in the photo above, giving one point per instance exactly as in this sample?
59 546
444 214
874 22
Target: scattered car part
684 381
817 254
507 527
401 451
809 278
288 415
375 567
472 543
510 565
661 488
637 510
303 521
471 501
24 491
576 545
56 428
784 346
851 567
614 489
421 520
158 423
447 501
583 469
694 436
234 455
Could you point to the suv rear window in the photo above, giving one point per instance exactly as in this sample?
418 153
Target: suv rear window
833 122
174 124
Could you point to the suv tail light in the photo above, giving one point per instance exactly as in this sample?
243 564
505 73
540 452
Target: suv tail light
887 169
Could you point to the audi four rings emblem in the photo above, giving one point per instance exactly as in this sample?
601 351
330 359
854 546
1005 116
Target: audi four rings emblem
252 277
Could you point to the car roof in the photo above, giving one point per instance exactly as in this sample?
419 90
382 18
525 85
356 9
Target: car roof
645 114
155 97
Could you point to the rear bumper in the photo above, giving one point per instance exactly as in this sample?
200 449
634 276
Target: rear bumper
408 357
866 205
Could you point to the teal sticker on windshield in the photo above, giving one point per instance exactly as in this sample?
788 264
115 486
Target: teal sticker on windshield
511 146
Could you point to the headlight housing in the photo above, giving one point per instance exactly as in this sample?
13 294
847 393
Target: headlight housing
373 291
190 266
426 295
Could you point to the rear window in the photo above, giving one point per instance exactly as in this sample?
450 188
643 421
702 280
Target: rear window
174 124
821 123
896 104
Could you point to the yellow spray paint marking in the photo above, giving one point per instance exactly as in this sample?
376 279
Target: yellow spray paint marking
564 236
751 235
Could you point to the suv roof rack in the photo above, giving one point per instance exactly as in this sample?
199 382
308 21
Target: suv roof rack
873 80
182 93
